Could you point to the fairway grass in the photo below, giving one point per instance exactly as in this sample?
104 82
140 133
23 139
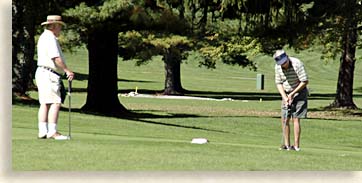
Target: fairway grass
237 142
244 132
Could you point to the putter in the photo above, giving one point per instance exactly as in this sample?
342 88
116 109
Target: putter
70 110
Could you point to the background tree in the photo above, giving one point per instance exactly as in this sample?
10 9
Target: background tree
299 24
214 39
24 20
339 35
99 23
173 50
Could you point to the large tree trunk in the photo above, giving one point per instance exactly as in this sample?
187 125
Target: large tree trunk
22 48
173 74
102 88
344 96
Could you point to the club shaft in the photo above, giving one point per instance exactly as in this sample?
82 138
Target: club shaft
285 119
70 107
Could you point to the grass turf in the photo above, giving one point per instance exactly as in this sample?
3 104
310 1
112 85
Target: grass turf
244 134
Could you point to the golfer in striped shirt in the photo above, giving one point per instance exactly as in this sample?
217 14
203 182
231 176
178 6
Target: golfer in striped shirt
291 80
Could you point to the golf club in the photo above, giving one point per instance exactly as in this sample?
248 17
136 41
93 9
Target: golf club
70 101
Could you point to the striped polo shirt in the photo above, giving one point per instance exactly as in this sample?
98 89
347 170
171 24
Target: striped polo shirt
291 77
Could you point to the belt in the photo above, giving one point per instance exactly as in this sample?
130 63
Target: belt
49 69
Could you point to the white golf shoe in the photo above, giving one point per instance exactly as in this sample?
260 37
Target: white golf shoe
285 147
57 136
295 148
42 135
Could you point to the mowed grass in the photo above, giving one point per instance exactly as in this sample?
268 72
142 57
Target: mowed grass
244 134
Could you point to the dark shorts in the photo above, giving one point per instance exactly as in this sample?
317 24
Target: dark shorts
299 107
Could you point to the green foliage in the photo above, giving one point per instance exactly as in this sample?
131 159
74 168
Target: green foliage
330 25
140 17
256 26
70 40
168 42
224 42
143 45
162 17
332 46
237 51
91 16
232 3
111 8
298 24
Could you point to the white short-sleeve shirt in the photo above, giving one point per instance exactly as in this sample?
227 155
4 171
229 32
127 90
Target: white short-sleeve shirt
48 49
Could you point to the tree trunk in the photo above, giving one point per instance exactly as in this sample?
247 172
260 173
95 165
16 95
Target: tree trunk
22 48
344 96
102 96
173 74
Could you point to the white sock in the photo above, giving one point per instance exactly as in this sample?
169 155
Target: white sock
43 127
52 128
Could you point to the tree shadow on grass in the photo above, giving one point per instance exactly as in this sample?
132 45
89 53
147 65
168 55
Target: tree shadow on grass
359 89
140 117
143 117
80 76
28 102
148 118
341 112
177 125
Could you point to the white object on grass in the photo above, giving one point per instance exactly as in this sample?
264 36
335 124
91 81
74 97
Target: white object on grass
199 141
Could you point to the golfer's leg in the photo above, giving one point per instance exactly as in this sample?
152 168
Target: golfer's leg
43 112
53 118
54 113
43 120
286 132
297 131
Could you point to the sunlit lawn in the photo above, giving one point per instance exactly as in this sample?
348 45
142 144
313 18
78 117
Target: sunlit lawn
244 131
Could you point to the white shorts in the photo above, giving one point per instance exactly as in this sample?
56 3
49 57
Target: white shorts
48 86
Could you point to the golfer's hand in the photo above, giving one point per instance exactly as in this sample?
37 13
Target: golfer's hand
286 101
70 75
290 98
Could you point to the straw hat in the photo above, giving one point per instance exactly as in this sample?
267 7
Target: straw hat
53 19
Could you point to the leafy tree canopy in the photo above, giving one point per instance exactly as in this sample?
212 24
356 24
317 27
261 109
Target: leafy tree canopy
142 45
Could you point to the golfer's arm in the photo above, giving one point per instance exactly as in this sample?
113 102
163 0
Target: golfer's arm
282 91
300 87
59 63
